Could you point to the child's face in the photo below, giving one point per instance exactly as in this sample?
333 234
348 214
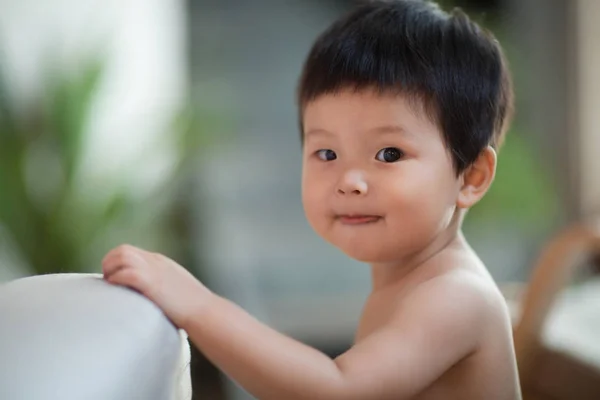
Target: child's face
377 181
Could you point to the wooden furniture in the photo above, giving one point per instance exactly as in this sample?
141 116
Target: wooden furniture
557 329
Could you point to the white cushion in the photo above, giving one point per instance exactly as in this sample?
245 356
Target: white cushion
74 336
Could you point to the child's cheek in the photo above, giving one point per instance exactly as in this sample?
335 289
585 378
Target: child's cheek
419 199
314 204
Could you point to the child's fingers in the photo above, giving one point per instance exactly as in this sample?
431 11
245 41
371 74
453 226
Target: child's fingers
112 262
118 258
129 277
109 263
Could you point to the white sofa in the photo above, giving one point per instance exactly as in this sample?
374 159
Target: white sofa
74 336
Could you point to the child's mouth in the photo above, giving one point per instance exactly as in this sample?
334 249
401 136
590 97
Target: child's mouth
358 219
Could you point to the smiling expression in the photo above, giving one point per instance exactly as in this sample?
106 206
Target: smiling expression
377 180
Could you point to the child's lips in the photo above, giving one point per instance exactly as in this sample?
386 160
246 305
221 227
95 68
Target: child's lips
357 219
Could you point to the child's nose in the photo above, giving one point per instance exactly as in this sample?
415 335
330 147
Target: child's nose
352 182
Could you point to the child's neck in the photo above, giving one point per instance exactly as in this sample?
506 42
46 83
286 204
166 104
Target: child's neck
384 275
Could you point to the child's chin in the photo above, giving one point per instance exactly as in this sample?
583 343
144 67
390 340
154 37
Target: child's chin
364 254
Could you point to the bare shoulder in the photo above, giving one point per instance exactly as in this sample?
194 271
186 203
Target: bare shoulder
469 315
431 336
461 308
464 294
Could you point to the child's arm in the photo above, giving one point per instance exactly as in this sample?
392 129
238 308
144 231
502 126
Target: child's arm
435 328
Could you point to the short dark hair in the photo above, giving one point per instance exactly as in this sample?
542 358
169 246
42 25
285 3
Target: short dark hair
443 61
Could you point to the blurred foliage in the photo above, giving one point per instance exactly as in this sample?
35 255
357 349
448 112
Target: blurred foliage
45 213
523 192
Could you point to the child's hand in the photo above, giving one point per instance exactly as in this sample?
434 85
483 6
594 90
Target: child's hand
170 286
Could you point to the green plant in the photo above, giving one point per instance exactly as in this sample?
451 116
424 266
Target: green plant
54 224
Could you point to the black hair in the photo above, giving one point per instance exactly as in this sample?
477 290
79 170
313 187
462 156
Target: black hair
442 61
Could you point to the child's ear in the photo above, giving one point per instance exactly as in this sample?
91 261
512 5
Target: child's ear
477 179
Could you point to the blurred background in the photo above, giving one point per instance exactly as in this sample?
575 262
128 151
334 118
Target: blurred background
172 125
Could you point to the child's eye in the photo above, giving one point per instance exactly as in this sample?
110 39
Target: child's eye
326 155
389 154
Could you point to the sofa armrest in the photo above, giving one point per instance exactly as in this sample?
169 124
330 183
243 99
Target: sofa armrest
74 336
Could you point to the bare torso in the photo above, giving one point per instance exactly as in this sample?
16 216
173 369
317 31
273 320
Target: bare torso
489 372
